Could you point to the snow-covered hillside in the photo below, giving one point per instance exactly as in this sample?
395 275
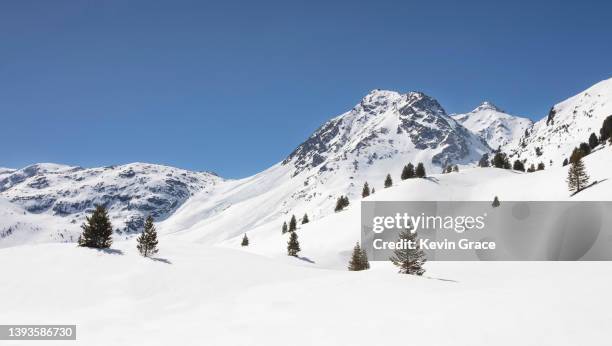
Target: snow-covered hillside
5 171
17 227
495 126
567 125
381 134
198 295
257 295
67 194
328 240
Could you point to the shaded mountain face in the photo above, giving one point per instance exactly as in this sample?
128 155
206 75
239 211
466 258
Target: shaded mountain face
385 125
130 192
552 139
496 127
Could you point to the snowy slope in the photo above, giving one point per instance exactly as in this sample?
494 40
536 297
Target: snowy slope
568 124
17 226
328 241
381 134
67 194
495 126
198 295
4 171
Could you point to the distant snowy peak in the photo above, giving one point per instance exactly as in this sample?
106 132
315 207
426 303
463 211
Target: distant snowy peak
487 106
493 125
130 192
568 123
384 125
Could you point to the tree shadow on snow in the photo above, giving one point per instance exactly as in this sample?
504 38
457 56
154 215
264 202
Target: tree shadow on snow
163 260
441 279
305 259
111 251
432 179
596 182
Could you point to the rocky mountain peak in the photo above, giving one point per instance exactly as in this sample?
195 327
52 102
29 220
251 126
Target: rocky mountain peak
385 124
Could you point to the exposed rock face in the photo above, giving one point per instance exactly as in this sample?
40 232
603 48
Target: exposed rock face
387 124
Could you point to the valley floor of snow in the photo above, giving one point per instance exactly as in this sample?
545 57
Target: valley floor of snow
194 294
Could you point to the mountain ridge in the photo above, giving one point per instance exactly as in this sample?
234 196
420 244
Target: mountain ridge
379 135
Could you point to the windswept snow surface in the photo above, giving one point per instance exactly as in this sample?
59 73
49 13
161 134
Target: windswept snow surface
199 295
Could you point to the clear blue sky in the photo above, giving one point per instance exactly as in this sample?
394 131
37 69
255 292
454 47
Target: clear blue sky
234 87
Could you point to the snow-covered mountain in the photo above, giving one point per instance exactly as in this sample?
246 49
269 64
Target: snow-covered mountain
380 135
387 124
67 194
496 127
327 240
567 125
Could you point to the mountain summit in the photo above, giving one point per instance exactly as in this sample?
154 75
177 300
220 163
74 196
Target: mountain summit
492 124
486 105
386 125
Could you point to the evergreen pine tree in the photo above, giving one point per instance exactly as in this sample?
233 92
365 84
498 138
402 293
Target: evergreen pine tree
484 160
565 162
411 259
245 241
593 141
410 170
292 224
404 173
388 181
577 178
97 230
366 190
538 151
585 149
531 168
359 259
341 203
147 240
293 245
495 203
541 166
420 171
373 190
605 133
518 166
364 259
576 154
500 160
285 227
455 168
305 219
